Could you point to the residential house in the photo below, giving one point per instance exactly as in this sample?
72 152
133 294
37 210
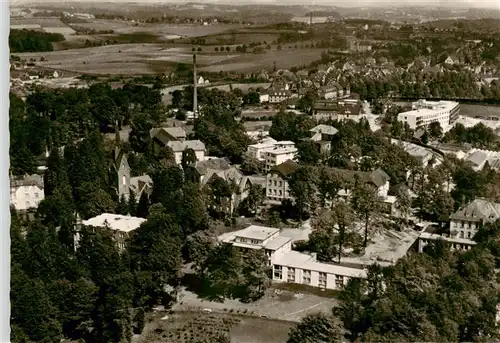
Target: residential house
279 154
259 150
279 93
452 60
337 110
469 218
141 184
421 154
203 168
478 159
263 98
161 136
238 183
289 265
277 188
377 178
26 192
360 46
322 136
119 226
178 148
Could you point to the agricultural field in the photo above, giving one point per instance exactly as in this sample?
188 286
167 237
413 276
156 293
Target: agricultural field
137 59
240 38
160 30
285 59
184 327
49 25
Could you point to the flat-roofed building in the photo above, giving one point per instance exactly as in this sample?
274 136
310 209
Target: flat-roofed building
288 265
119 225
260 237
279 155
455 243
425 112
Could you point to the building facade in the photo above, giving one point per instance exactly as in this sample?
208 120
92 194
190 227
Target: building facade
27 192
118 225
178 148
277 188
468 219
289 265
279 155
425 112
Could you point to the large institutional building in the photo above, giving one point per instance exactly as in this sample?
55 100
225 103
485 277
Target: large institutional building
289 265
425 112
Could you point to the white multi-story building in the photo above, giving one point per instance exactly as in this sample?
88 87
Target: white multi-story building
279 155
260 237
467 220
425 112
27 192
455 243
288 265
120 226
259 150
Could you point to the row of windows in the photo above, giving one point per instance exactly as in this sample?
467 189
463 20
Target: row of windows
306 277
456 246
251 241
273 192
276 183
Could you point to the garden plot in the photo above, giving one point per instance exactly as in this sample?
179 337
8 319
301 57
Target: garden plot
184 327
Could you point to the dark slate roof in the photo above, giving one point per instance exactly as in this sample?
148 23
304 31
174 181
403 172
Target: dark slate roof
214 164
28 180
378 177
163 136
286 168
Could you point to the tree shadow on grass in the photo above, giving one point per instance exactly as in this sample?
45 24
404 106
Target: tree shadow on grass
204 290
201 288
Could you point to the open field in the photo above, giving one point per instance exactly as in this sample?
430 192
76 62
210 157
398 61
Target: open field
134 59
286 305
183 30
285 59
43 22
241 38
186 326
479 111
50 25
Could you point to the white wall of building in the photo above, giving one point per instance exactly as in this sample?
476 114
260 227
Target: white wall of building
276 157
26 197
426 112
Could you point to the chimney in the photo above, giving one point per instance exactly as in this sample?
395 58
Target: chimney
195 91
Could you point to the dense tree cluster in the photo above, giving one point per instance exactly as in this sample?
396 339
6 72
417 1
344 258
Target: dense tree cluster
479 136
32 41
226 272
92 291
448 84
55 118
223 135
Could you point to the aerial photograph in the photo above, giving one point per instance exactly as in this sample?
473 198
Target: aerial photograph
254 172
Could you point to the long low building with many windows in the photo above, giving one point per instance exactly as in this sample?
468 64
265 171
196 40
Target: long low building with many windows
289 265
425 112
